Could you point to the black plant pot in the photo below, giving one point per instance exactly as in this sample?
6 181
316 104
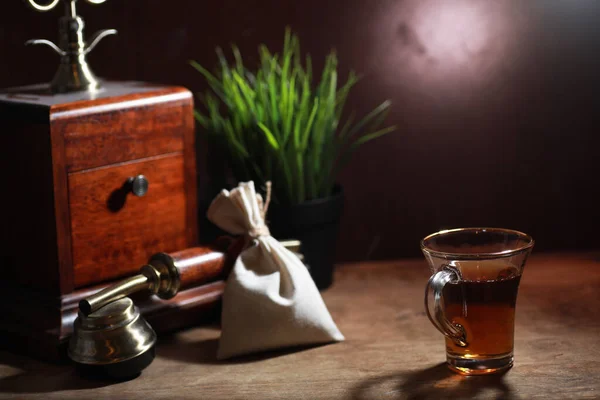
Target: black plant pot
316 224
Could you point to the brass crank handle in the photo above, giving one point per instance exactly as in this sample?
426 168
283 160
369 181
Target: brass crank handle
166 274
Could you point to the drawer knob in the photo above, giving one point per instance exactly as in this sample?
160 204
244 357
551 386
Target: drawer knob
139 185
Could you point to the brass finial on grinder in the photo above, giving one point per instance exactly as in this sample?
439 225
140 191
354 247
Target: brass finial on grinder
74 73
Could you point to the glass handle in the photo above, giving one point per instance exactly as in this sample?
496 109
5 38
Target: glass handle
456 332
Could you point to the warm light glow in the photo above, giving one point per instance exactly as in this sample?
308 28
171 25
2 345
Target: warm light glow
453 32
443 43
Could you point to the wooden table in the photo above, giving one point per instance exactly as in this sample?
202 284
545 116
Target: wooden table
391 352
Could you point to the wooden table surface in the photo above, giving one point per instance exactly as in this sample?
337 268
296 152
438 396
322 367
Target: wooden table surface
391 352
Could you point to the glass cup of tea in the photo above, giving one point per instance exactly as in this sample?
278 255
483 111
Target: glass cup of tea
476 275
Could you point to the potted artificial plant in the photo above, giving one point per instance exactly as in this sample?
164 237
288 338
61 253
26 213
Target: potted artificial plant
276 122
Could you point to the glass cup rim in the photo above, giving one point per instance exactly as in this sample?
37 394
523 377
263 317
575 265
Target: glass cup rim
529 242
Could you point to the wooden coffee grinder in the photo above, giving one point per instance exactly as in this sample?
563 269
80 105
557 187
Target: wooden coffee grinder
97 176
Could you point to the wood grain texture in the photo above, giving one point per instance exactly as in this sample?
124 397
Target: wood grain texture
49 135
146 127
69 221
202 264
190 164
110 243
198 265
391 352
61 209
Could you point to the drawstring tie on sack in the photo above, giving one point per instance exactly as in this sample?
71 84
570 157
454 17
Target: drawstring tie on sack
263 229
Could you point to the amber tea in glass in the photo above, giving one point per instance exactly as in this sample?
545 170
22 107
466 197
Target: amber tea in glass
476 275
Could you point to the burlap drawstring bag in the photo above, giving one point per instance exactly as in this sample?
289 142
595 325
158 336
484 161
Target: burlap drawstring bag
270 300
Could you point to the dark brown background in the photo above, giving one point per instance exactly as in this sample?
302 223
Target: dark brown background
497 101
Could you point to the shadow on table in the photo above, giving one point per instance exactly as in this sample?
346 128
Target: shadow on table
436 382
205 352
31 376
